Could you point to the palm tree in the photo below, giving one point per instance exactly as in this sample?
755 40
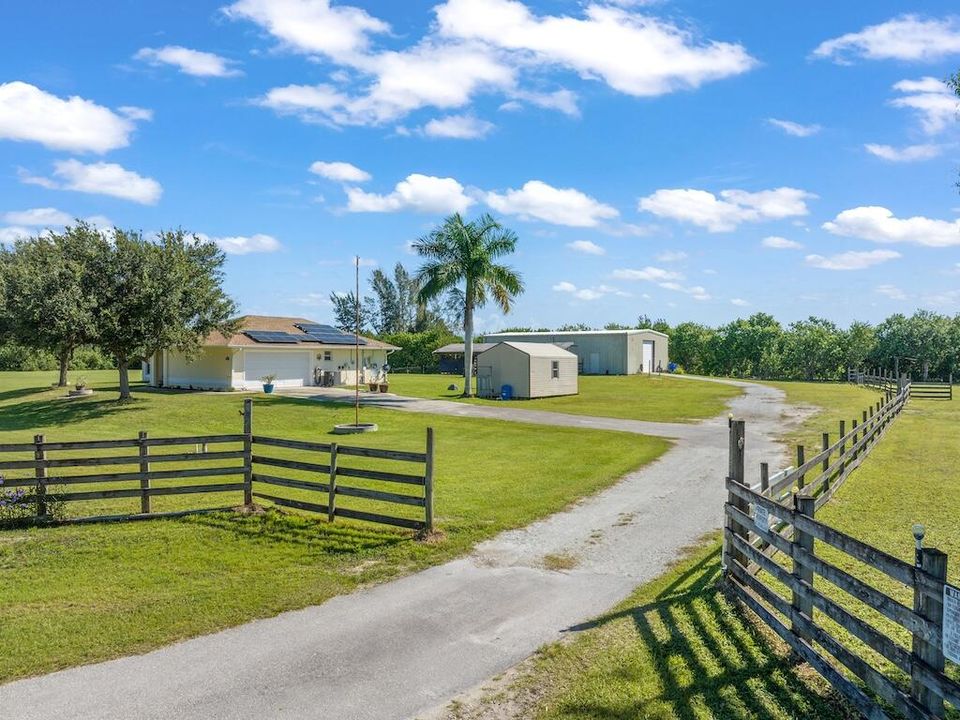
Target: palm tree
460 257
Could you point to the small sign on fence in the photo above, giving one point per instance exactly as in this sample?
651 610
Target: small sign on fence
951 623
761 518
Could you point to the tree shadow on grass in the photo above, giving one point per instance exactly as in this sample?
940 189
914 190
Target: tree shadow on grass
710 661
55 412
337 539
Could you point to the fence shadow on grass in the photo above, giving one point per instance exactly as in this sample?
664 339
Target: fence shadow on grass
707 660
336 539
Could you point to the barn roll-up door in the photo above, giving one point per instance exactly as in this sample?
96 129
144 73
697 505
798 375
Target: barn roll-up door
292 367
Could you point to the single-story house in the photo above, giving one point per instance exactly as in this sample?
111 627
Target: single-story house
604 352
300 352
531 370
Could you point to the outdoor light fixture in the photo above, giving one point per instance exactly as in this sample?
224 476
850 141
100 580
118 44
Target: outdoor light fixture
918 532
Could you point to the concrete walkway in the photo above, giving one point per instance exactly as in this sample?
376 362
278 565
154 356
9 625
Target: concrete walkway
404 648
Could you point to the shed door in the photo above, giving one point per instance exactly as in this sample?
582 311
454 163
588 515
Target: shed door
648 356
292 368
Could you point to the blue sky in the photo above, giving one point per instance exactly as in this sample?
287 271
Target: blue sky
686 160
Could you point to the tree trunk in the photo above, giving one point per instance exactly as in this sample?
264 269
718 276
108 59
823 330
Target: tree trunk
123 367
467 345
65 356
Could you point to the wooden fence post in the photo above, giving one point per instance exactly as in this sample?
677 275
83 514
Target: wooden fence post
805 505
934 564
856 437
248 451
801 459
825 468
736 472
332 488
144 473
428 484
843 448
764 478
40 455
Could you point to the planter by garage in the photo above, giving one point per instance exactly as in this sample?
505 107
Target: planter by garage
268 388
384 387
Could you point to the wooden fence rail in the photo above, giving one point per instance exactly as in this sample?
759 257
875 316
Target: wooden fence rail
794 598
246 460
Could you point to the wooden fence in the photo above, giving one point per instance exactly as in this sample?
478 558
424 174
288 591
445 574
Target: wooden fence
885 380
239 460
932 390
813 600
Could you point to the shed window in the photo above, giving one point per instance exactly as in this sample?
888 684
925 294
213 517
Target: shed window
555 369
327 355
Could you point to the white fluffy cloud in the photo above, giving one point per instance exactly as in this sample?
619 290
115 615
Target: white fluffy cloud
672 256
930 99
312 27
560 206
188 61
908 153
730 209
907 37
100 178
594 293
633 53
739 302
420 193
39 217
460 127
340 171
9 235
244 244
653 274
776 242
28 114
853 260
479 46
795 128
880 225
586 247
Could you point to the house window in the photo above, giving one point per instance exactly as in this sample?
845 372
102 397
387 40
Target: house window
555 369
327 355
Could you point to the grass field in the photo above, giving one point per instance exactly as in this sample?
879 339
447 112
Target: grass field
679 649
633 397
78 594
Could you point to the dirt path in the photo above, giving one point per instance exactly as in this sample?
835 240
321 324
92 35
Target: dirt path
403 649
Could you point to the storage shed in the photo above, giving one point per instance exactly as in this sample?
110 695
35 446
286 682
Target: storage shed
604 352
531 370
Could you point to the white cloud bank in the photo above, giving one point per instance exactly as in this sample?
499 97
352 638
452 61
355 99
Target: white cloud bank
587 247
100 178
458 127
907 37
588 294
28 114
480 46
420 193
909 153
726 212
340 171
853 260
775 242
930 99
188 61
560 206
45 217
879 224
244 244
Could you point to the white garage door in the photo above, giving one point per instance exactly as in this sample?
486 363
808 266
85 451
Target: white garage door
291 368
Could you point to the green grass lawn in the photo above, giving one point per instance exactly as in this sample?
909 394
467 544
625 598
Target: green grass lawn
679 648
633 397
82 593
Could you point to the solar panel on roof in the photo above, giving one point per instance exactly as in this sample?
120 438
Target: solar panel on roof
337 338
317 328
270 336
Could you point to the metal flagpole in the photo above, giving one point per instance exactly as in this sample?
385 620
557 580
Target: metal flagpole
356 337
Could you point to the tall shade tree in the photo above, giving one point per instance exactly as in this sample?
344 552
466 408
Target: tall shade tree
50 292
156 295
462 255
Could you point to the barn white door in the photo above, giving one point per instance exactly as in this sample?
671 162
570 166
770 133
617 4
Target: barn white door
648 356
292 368
594 364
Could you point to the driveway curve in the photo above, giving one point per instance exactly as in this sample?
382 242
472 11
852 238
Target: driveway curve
404 648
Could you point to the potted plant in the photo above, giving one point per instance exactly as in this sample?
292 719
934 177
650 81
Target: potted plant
80 384
267 381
